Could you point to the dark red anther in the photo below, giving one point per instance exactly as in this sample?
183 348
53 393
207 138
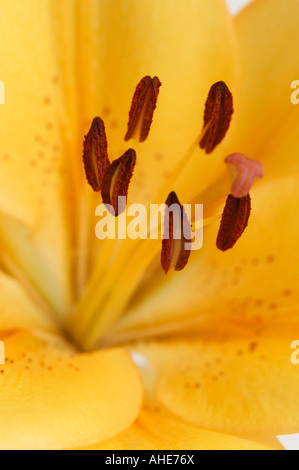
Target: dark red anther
116 181
217 118
95 154
143 106
177 234
234 221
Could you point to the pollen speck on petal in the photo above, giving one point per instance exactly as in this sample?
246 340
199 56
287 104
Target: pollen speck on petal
143 106
234 221
247 171
217 117
95 154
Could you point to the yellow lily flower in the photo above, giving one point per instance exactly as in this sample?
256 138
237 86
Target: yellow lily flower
212 342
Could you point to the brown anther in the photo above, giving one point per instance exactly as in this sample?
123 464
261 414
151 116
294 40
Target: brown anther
95 154
217 117
177 234
143 106
116 181
234 221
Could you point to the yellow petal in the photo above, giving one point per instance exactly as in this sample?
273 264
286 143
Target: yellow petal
265 124
17 311
254 284
240 385
35 135
52 398
29 257
30 124
157 429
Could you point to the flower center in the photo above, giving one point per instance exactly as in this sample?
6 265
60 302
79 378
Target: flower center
127 262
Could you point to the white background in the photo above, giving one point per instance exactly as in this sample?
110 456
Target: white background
237 5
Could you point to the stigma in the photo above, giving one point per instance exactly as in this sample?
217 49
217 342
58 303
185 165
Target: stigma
246 171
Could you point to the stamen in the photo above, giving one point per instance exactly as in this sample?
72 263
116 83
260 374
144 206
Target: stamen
117 179
95 154
234 221
247 171
218 114
143 106
177 231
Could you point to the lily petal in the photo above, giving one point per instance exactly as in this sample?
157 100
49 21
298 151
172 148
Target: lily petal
228 383
158 429
266 122
17 311
52 398
29 122
35 134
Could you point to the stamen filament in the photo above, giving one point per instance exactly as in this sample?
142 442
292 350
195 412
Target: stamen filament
111 307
